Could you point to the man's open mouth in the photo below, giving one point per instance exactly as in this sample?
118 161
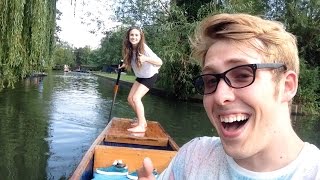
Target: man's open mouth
233 122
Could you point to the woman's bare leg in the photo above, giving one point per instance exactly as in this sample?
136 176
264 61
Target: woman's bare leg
134 98
130 96
131 103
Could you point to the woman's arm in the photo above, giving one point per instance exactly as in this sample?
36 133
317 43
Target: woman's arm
150 59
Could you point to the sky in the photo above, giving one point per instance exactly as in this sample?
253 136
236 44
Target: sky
78 19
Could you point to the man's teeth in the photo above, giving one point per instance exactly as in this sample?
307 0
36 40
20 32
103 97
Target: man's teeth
233 118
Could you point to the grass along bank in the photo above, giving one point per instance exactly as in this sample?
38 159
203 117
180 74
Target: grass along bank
124 77
128 80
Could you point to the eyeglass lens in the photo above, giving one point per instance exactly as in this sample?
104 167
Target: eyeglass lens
237 77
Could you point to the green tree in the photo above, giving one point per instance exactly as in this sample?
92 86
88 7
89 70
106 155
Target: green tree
26 38
168 30
82 56
302 18
191 7
111 47
307 95
63 54
177 71
141 12
179 67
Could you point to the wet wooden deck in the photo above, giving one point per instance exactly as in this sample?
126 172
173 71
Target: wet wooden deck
154 135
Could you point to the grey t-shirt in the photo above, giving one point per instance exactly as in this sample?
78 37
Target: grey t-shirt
204 158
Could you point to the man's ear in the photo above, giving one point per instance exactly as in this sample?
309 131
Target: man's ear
290 86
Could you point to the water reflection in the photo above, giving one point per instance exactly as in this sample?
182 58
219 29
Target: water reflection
23 129
47 124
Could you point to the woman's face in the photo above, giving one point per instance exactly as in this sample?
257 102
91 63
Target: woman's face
134 37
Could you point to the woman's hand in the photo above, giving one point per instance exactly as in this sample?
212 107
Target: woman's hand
156 61
143 58
121 65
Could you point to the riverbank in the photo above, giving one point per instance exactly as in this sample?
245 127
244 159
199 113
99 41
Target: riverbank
127 80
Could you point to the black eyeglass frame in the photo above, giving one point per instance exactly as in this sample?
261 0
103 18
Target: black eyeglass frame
254 68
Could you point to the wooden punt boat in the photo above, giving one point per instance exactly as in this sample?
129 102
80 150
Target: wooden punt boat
115 142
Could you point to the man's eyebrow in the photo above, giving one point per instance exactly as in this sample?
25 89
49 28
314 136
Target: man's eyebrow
237 61
230 62
209 68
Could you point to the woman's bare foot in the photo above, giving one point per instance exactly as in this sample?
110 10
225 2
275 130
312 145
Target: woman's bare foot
138 134
134 122
138 129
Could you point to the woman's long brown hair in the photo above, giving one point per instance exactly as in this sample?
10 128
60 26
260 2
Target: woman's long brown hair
127 49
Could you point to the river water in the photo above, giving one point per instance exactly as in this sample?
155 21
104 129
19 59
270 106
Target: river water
47 124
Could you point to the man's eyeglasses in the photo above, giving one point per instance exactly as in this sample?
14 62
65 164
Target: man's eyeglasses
236 77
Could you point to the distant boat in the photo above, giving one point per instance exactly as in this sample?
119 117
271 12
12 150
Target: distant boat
38 74
66 68
115 143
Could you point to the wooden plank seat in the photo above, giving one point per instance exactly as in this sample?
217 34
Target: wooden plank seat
104 156
154 136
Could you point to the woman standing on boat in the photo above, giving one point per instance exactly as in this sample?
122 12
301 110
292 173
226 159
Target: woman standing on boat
145 64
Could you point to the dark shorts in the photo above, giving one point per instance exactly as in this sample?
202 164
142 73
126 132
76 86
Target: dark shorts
148 82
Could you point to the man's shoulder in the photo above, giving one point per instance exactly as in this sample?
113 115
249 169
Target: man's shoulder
312 153
308 163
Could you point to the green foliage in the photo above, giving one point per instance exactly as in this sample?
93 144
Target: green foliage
231 6
191 7
141 12
63 54
179 68
26 38
79 57
83 56
173 48
303 19
167 34
309 88
177 78
111 47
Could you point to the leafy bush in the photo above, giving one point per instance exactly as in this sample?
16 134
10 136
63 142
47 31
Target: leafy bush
309 88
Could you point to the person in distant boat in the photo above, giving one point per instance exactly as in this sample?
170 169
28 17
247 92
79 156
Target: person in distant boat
250 69
145 64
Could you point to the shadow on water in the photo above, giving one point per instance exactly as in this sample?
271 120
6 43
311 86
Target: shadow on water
47 124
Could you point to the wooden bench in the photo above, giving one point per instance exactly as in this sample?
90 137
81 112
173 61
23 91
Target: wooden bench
104 156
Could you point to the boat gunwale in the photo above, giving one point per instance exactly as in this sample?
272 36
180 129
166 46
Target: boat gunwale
89 155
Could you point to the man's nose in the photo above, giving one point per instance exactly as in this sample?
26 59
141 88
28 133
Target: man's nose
224 93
